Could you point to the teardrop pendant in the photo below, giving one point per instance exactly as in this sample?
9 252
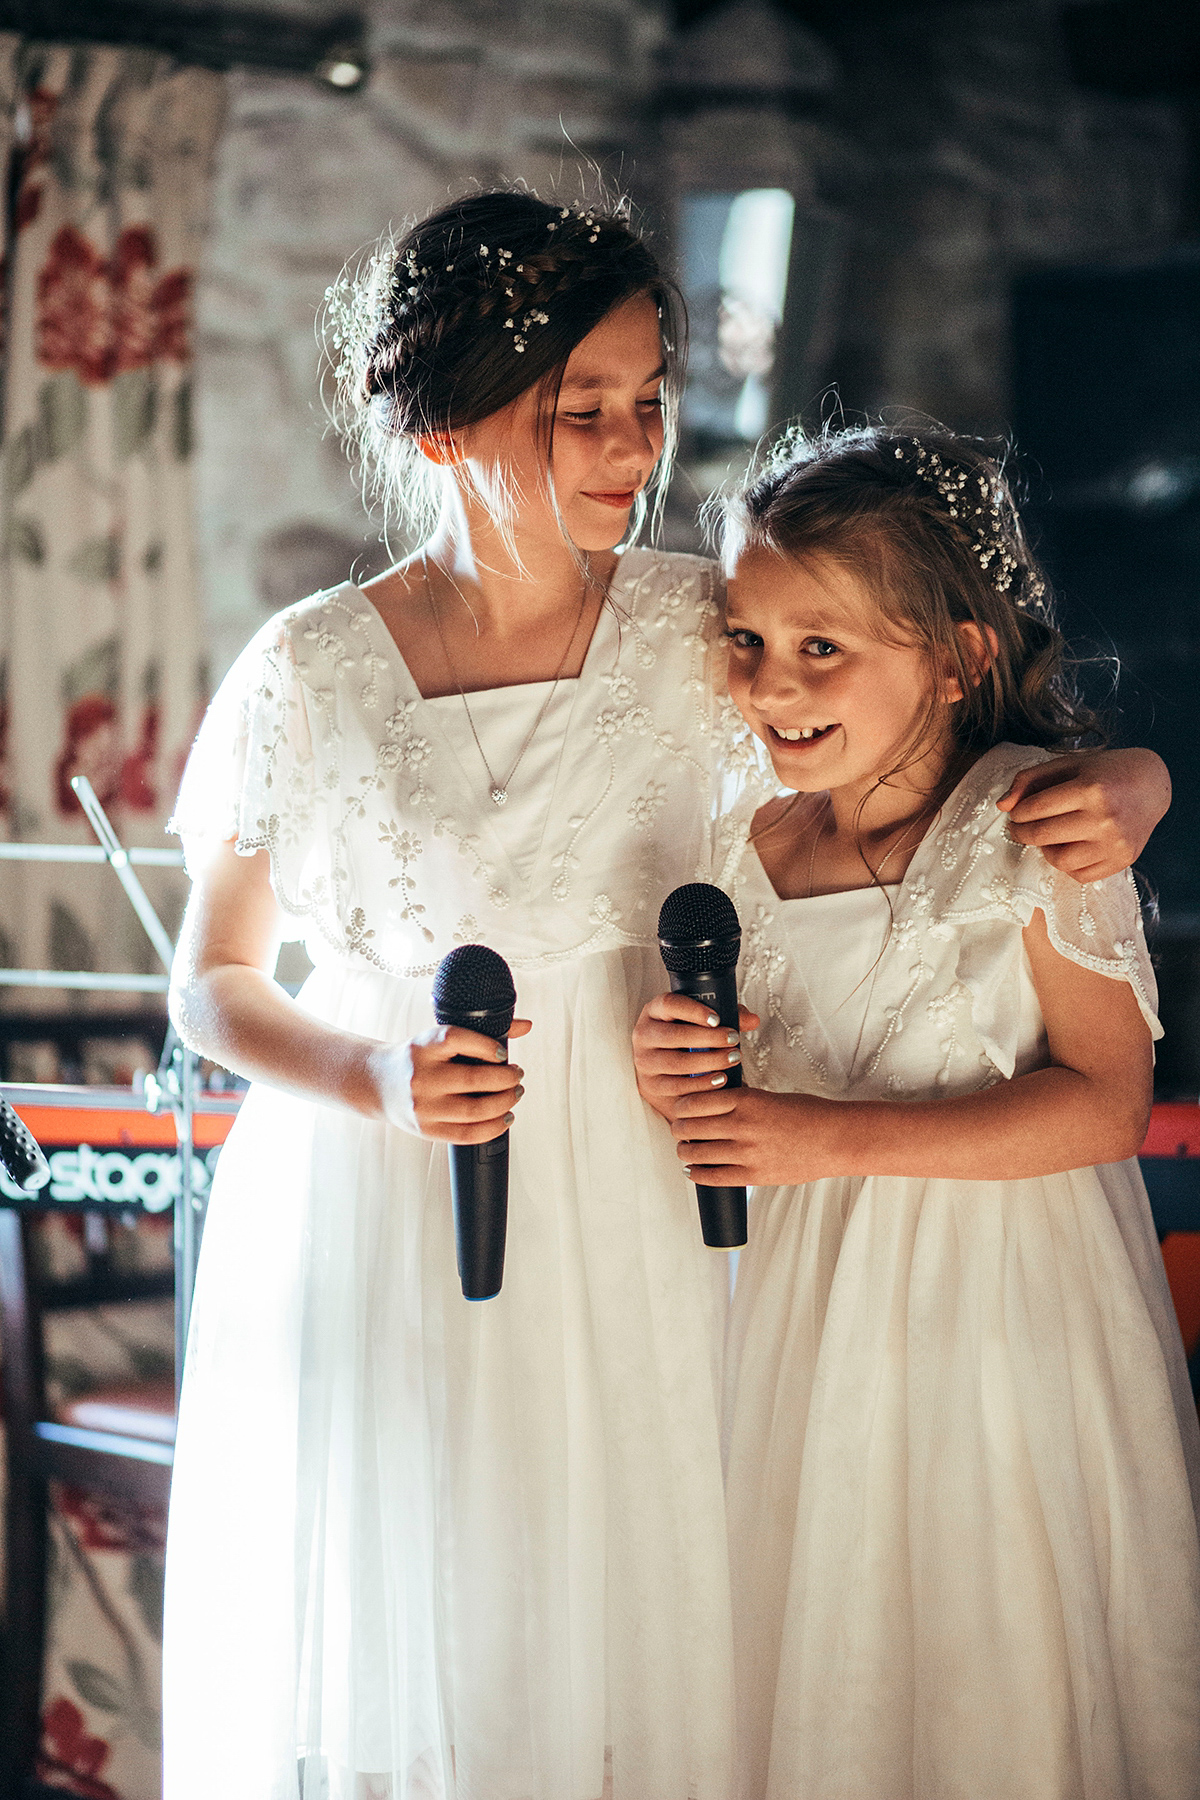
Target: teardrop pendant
499 796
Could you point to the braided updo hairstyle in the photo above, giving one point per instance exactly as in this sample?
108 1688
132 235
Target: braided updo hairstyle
480 302
927 522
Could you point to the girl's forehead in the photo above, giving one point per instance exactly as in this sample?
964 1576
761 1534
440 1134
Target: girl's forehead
625 347
817 589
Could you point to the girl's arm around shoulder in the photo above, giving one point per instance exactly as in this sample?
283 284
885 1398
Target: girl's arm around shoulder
225 1004
1090 814
1089 1104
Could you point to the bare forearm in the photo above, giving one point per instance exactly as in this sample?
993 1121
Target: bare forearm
446 1083
1037 1124
244 1020
1089 1104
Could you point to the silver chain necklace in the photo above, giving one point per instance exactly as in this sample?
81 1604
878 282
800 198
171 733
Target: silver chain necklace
498 790
818 828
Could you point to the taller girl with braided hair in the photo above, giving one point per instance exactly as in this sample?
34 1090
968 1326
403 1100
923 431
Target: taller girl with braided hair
422 1549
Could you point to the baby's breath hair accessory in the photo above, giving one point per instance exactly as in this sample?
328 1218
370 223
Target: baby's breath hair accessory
982 509
356 305
522 282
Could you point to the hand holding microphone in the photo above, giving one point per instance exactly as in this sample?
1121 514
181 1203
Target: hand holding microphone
473 992
700 939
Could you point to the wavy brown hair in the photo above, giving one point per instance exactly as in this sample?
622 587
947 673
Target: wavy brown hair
863 497
449 323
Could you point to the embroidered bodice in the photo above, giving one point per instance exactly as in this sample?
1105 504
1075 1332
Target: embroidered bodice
386 849
946 1002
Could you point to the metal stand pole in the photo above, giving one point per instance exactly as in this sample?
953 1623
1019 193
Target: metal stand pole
176 1076
118 861
189 1222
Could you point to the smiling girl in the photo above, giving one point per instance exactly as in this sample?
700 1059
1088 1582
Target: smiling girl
963 1453
423 1549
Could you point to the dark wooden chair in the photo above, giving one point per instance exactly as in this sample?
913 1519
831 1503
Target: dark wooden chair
118 1442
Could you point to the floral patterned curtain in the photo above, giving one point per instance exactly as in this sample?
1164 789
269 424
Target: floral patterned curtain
107 156
101 668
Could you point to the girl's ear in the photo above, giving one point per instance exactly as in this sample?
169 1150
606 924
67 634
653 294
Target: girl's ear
439 447
979 645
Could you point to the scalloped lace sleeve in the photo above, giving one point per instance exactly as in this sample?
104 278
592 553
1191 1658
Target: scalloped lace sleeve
982 878
250 775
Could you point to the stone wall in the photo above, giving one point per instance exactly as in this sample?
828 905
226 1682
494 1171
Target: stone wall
955 149
480 90
978 157
947 140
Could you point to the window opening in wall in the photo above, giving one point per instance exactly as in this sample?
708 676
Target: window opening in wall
735 253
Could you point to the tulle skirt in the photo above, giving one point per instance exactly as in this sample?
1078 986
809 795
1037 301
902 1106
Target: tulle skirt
962 1489
426 1548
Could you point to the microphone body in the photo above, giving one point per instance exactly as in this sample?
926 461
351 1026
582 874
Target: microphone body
479 1190
700 938
473 988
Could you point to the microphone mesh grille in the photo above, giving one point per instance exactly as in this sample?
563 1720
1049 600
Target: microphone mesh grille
692 917
472 979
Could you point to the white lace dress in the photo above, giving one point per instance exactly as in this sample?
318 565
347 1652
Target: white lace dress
420 1547
962 1449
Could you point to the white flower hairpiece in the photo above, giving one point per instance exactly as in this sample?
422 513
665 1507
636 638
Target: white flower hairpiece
357 305
976 505
499 262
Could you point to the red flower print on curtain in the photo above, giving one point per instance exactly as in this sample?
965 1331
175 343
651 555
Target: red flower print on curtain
91 747
100 317
33 122
139 789
103 1523
70 1757
100 624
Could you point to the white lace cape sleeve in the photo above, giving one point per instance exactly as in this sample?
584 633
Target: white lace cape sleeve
249 778
985 881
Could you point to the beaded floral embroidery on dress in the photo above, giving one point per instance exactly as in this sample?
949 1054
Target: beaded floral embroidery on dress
944 1009
383 852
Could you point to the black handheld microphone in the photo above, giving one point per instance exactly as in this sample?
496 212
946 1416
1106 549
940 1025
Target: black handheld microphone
700 937
23 1161
474 988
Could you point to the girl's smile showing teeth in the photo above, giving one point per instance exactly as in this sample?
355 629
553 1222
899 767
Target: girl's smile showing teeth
794 734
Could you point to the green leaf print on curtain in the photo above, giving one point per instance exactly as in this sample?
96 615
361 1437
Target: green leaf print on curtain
100 630
62 417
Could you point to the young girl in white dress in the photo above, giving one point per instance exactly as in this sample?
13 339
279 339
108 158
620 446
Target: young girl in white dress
963 1456
418 1547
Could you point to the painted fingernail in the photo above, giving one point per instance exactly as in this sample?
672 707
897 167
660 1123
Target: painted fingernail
509 1117
718 1081
713 1019
735 1056
501 1053
731 1037
517 1092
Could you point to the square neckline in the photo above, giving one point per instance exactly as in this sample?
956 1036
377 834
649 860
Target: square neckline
396 655
919 855
435 718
